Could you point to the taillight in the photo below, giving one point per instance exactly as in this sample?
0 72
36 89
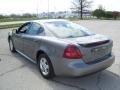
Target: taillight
72 52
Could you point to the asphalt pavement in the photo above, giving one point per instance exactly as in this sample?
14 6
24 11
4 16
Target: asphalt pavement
17 73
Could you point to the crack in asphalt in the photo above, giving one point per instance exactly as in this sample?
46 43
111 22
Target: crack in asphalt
98 81
70 85
22 66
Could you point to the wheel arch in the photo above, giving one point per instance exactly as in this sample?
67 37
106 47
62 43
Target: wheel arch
39 52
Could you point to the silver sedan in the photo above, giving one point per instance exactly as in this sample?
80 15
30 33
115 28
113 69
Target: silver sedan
62 48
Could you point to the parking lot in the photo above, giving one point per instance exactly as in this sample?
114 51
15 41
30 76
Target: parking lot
17 73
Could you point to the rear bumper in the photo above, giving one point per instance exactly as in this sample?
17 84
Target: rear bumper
79 68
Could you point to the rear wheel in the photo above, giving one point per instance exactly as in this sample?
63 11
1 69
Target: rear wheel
11 46
45 66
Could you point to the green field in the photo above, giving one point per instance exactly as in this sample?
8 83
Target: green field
16 19
10 26
27 19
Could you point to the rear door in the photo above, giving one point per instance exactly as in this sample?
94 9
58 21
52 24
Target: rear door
30 39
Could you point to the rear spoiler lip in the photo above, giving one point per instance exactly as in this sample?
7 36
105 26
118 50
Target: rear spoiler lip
93 44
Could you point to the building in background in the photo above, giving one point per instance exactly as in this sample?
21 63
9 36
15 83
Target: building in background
63 14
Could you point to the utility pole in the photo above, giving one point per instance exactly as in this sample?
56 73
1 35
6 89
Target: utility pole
81 11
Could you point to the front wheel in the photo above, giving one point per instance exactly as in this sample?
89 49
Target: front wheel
11 46
45 66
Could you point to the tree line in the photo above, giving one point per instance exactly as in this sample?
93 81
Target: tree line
102 13
26 15
80 6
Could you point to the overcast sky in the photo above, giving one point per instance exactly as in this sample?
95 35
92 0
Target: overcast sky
32 6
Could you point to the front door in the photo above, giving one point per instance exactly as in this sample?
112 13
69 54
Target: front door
30 40
18 37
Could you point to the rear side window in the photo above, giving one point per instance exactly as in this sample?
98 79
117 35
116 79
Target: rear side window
35 29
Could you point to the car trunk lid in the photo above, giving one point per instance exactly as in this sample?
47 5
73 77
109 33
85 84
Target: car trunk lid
93 47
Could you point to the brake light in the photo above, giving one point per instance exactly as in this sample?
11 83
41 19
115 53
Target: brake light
72 52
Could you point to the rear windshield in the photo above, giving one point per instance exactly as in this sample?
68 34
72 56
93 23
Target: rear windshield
66 29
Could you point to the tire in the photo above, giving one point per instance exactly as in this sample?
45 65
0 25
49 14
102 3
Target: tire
45 66
11 46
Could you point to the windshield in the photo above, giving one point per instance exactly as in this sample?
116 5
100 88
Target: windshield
66 29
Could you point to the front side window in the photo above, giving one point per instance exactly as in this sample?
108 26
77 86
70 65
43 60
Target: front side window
66 29
24 28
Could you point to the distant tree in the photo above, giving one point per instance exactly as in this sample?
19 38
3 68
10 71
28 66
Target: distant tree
14 16
27 15
116 14
79 6
1 16
100 12
109 14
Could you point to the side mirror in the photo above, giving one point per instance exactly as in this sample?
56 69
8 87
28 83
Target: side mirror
14 30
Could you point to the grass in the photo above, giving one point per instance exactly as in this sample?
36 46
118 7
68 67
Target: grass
27 19
10 26
84 18
16 19
24 19
34 18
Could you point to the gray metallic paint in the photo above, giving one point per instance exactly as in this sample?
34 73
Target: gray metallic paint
54 47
